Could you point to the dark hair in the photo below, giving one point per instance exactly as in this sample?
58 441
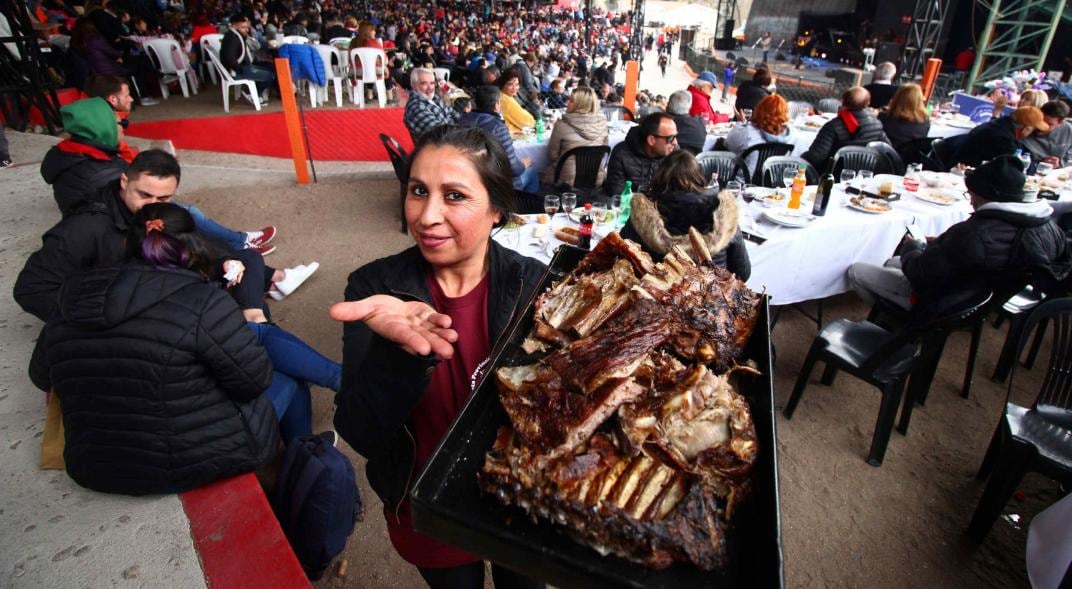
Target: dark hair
461 103
487 156
485 98
238 18
1055 108
506 77
155 162
103 85
172 243
649 125
762 77
678 172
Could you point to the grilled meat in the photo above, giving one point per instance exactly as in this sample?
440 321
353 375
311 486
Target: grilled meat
628 430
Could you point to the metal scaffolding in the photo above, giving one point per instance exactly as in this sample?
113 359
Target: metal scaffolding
1017 36
924 35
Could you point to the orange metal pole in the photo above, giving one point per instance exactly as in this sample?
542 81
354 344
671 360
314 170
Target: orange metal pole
930 74
632 79
290 115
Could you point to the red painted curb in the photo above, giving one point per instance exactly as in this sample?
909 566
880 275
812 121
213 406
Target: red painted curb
238 538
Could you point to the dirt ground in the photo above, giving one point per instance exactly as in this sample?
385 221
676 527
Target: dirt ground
845 523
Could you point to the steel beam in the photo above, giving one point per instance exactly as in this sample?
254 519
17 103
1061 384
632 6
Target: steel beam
1017 36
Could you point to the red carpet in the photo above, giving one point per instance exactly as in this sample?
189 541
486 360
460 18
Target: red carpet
338 135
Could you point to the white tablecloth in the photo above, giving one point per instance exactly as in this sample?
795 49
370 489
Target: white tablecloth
801 264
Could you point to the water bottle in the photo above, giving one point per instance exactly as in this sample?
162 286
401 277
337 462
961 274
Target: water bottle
539 129
625 200
1025 157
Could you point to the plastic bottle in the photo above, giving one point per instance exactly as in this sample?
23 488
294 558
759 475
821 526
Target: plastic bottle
822 196
626 200
539 129
585 239
797 191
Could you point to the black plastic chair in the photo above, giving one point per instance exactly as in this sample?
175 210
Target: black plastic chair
771 171
529 203
1037 439
399 161
763 151
615 112
588 161
828 105
876 356
889 160
855 157
939 157
728 166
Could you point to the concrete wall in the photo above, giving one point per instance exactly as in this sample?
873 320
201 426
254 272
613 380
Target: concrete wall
780 17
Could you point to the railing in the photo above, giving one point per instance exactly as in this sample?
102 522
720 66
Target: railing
790 87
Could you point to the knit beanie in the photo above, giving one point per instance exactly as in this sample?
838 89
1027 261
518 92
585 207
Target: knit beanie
998 180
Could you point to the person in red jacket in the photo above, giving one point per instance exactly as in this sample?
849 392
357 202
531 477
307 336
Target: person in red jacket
701 89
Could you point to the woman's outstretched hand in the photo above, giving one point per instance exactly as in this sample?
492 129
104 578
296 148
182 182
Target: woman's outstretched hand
414 325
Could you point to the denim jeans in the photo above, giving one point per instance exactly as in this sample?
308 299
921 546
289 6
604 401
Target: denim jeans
262 76
297 359
293 405
235 240
529 180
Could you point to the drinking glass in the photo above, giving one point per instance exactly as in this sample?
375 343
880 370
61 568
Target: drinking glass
747 112
712 182
550 204
600 213
569 202
1043 168
748 193
734 188
864 176
788 175
847 176
954 108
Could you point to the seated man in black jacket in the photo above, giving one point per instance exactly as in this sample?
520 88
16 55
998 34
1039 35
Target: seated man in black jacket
750 92
987 252
637 157
237 58
854 125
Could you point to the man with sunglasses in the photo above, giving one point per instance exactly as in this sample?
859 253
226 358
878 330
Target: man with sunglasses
637 157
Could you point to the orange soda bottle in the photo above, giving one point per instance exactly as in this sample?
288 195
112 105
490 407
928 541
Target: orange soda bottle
797 190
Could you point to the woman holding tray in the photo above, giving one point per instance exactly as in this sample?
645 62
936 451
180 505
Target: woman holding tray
421 327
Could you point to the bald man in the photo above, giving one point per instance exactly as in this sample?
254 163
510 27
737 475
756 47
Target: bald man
853 125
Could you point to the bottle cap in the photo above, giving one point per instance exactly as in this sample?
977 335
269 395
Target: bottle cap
588 206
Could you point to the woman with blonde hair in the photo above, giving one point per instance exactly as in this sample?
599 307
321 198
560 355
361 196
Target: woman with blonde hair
905 121
582 125
769 124
1035 98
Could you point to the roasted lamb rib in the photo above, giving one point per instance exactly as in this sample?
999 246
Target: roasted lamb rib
628 430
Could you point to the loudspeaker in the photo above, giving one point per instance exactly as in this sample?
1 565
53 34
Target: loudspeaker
728 30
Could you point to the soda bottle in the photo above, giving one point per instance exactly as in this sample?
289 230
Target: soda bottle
625 201
822 196
539 129
585 239
798 189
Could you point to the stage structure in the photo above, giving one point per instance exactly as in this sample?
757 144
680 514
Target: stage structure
727 20
924 35
1017 36
24 81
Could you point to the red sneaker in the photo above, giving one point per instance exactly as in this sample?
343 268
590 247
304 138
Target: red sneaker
263 250
260 238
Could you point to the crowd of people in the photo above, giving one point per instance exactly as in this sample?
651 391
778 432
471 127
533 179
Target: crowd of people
144 294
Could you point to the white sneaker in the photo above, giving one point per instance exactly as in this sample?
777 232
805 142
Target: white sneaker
292 279
149 101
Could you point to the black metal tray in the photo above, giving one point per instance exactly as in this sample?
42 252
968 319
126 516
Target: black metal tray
448 505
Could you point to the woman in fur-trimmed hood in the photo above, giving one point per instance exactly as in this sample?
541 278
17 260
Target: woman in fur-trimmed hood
677 202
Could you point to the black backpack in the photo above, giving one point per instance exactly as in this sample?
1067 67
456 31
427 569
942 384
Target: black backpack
316 501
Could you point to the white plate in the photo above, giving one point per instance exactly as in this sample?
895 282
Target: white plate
853 205
938 197
958 124
789 218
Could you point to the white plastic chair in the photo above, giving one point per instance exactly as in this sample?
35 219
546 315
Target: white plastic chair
213 41
367 57
331 74
295 40
227 81
160 52
442 74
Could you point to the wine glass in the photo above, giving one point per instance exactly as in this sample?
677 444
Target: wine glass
865 177
569 202
747 112
748 193
788 175
550 204
712 183
734 188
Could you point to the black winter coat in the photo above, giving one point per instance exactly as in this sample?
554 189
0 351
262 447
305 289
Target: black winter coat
629 161
382 383
984 253
901 132
160 382
77 178
987 141
749 94
833 136
691 133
